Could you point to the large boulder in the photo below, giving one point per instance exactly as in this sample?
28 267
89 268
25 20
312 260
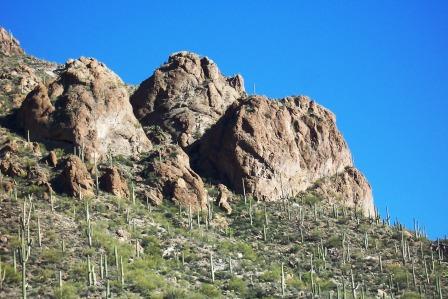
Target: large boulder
19 73
74 178
112 181
88 107
276 147
349 187
223 199
9 45
169 176
186 96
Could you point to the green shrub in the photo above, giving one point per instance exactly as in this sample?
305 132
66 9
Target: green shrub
11 276
410 295
52 255
210 291
334 242
68 291
238 285
272 275
144 281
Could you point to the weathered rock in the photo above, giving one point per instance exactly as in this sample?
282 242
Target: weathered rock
8 148
223 199
9 45
186 96
52 159
38 175
10 166
113 182
349 187
169 175
86 106
35 147
19 75
75 178
277 147
122 235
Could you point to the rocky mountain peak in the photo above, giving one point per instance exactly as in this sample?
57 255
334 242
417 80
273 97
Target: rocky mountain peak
186 96
9 45
86 106
278 148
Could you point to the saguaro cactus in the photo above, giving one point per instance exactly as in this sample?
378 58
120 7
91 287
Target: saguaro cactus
283 281
212 267
2 275
25 241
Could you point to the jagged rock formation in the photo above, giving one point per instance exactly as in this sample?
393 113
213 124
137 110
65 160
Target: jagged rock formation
86 106
19 73
349 187
169 175
113 182
224 198
9 45
74 178
52 159
186 96
277 148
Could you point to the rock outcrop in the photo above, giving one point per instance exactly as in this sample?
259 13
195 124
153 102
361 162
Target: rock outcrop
74 178
169 175
52 159
277 147
9 45
186 96
349 187
113 182
87 106
224 198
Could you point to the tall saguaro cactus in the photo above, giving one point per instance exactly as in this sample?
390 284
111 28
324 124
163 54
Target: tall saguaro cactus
25 243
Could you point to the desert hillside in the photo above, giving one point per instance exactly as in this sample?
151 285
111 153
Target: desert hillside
186 186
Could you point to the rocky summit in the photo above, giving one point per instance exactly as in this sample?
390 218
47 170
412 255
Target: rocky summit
185 186
277 148
86 106
186 96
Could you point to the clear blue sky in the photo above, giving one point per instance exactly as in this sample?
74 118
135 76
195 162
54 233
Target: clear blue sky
381 66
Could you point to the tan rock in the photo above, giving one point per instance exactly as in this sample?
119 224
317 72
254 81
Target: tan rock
169 175
349 187
278 147
11 166
75 178
9 45
122 235
38 175
52 159
89 109
223 199
113 182
35 147
186 96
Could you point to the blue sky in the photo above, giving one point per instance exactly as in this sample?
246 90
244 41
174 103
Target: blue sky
380 66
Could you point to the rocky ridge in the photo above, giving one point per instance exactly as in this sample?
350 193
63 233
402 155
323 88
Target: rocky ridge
186 96
262 201
268 149
87 107
9 45
278 148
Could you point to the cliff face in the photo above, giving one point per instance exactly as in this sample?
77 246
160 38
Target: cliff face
86 106
185 96
278 149
19 73
268 148
9 45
